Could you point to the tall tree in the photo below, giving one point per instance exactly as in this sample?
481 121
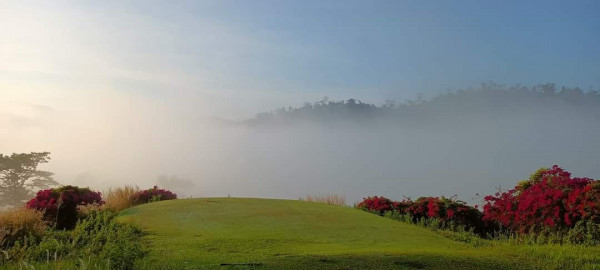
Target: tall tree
20 178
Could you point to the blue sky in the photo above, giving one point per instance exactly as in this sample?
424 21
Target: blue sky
394 47
236 58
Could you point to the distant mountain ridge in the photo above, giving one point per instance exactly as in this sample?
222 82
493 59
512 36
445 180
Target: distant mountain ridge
489 101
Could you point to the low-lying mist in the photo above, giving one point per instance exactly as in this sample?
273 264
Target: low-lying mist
464 143
356 161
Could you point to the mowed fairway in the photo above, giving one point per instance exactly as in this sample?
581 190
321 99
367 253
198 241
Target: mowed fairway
238 233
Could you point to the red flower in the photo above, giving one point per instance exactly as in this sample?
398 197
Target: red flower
550 198
449 213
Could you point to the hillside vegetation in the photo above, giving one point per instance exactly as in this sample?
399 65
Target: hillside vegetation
489 102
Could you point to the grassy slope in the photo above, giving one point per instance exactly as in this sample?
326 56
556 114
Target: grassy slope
285 234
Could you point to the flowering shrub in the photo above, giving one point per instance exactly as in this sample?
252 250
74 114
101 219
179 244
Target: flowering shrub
551 200
153 195
550 205
402 206
378 205
447 211
424 207
59 205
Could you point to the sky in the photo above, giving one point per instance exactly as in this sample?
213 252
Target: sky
83 78
234 59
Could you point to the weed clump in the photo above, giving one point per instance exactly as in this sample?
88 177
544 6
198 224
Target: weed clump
332 199
16 225
97 237
121 198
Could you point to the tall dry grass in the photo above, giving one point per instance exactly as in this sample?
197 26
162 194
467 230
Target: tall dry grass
117 199
16 224
332 199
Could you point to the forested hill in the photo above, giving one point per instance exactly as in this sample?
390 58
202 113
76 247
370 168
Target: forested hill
488 102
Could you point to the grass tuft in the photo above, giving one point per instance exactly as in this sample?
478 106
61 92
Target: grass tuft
121 198
332 199
19 223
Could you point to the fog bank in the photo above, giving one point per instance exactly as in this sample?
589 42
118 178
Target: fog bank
463 143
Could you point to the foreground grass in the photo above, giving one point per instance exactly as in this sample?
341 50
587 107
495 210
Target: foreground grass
281 234
237 233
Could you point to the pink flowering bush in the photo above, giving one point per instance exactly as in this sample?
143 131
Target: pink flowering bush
376 204
401 206
551 200
153 195
445 210
59 205
550 205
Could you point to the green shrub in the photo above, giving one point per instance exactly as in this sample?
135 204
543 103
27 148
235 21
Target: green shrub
20 224
118 243
584 232
97 236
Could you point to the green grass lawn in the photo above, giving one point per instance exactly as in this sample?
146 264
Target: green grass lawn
238 233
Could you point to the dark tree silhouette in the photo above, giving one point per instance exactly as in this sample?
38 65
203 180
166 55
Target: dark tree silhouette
487 101
20 178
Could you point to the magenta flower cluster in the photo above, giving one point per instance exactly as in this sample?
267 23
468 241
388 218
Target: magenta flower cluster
49 200
152 195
